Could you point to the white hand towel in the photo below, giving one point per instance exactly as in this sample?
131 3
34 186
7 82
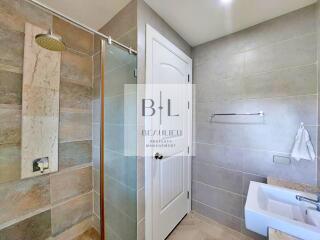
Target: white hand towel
303 148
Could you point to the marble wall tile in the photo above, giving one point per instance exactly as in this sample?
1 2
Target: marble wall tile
74 153
28 195
74 37
69 184
69 213
10 125
40 106
10 162
76 68
10 88
75 126
75 96
15 13
37 227
11 48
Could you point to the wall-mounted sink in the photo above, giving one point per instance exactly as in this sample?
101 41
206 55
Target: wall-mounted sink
276 207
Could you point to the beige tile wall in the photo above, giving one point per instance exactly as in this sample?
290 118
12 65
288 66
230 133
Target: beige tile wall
271 67
57 202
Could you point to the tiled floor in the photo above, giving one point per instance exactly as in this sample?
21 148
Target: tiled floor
197 227
90 234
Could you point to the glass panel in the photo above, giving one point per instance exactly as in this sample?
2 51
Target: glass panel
120 144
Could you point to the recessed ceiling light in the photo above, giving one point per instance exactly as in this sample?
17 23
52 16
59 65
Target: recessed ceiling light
226 1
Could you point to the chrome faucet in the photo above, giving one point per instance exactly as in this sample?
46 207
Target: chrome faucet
311 201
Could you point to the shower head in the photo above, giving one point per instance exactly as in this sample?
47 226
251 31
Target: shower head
50 41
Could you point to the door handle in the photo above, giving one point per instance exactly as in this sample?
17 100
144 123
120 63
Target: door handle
158 156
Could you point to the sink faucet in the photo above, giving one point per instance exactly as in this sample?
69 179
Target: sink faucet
309 200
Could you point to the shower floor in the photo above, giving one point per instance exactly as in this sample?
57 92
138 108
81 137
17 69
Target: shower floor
197 227
90 234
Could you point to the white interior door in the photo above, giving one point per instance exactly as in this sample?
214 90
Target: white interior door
169 70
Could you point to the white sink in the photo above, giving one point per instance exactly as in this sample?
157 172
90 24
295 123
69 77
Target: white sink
276 207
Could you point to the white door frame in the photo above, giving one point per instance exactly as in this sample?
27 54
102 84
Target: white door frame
151 35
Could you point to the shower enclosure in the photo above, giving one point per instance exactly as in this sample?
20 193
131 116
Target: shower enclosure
118 184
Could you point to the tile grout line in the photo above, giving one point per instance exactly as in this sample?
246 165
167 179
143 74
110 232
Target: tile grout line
216 209
218 188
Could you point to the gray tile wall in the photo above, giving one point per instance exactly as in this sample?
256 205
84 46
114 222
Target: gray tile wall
45 206
271 67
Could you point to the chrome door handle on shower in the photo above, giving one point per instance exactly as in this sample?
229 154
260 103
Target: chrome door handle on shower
158 156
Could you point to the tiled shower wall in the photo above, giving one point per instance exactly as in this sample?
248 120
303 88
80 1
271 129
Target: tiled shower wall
58 205
120 171
271 67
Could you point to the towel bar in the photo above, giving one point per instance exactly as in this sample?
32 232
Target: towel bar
261 113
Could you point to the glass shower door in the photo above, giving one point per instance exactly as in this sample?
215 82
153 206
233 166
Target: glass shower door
120 126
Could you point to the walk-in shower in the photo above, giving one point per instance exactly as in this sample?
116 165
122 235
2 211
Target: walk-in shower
114 128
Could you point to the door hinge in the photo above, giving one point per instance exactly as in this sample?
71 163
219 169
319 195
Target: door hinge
188 149
188 77
135 73
188 105
188 194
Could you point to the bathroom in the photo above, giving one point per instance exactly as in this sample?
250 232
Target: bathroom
79 86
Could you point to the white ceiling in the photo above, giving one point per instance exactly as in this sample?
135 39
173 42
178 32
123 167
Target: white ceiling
93 13
199 21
